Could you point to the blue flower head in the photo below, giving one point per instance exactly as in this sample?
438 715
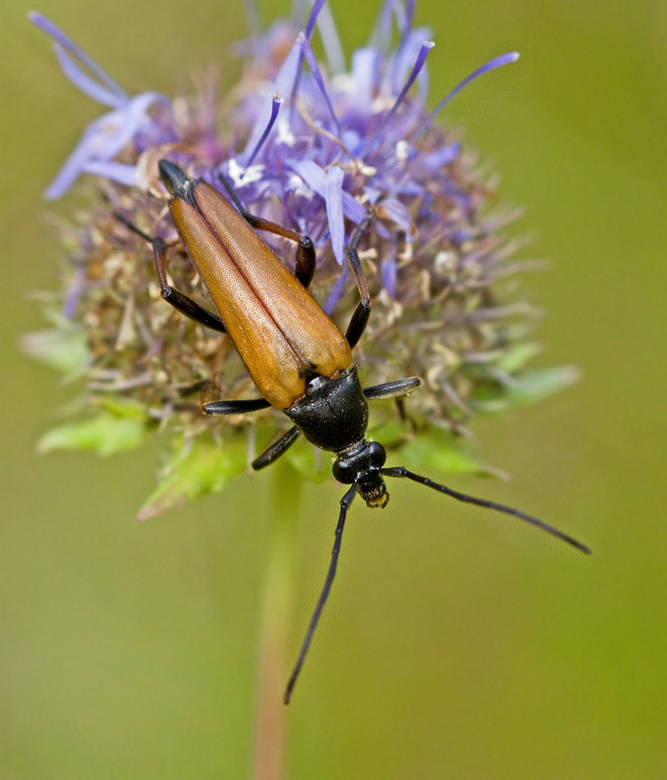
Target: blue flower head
310 145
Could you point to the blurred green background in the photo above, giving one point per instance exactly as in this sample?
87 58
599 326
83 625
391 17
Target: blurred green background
455 645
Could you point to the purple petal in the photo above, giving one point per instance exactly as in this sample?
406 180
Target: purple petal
85 83
334 204
317 76
396 211
331 41
317 7
441 156
388 270
336 292
47 26
102 140
403 60
365 69
288 74
381 35
120 172
419 64
87 147
316 179
410 15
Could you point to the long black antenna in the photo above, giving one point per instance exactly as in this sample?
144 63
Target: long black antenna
345 504
401 471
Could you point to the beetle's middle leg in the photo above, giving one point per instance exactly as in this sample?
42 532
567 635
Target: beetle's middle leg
398 389
305 250
275 450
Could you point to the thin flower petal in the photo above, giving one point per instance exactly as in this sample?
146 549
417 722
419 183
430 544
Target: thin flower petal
47 26
330 40
288 74
419 64
441 156
336 291
120 172
316 179
388 270
396 211
497 62
317 7
103 140
334 205
317 76
364 77
85 83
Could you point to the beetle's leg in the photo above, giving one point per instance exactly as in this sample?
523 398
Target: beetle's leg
397 390
305 251
275 450
404 416
244 406
361 314
392 389
177 299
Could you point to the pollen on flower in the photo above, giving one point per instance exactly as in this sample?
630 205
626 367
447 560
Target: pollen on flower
312 146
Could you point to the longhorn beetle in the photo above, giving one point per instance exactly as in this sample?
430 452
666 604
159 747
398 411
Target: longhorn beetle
297 357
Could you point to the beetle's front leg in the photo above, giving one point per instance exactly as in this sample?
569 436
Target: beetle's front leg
180 301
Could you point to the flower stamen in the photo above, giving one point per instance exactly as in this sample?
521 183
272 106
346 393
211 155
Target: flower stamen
276 102
496 62
419 64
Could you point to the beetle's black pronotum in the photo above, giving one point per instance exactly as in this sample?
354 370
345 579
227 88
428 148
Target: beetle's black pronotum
297 357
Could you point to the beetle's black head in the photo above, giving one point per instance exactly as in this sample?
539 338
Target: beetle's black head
178 184
361 467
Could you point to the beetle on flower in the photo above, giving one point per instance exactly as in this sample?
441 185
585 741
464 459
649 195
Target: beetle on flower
325 153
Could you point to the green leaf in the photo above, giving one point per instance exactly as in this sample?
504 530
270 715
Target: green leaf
438 450
198 468
104 434
123 407
532 386
392 433
66 351
517 357
313 465
528 387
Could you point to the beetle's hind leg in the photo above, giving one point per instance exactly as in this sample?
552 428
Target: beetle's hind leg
396 389
244 406
305 250
180 301
275 450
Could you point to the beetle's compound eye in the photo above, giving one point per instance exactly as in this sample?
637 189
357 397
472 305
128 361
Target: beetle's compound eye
344 472
377 453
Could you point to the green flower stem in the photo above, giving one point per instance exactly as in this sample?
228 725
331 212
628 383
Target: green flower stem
277 610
